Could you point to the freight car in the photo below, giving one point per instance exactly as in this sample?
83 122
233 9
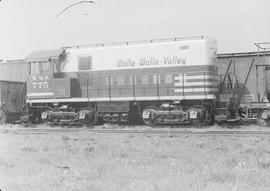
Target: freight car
14 70
13 75
12 101
247 73
168 81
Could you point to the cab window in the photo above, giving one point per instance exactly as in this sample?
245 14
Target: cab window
44 67
40 67
34 68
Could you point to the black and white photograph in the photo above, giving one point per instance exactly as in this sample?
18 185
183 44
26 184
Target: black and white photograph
145 95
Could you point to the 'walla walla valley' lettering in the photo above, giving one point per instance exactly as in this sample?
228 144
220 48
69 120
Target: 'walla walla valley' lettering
129 63
174 60
148 62
125 63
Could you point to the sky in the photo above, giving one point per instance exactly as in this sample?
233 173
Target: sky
30 25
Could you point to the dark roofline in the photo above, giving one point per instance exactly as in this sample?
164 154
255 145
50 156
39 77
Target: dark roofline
10 62
244 54
16 60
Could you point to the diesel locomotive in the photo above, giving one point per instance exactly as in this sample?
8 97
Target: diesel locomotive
158 82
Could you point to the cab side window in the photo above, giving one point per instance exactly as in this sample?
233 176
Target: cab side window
34 68
44 67
39 67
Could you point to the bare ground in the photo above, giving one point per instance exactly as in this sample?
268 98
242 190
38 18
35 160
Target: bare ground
90 161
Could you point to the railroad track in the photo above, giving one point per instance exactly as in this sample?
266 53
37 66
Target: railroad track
167 131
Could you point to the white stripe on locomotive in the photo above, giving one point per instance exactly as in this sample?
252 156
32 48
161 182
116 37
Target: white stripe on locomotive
195 90
146 98
183 80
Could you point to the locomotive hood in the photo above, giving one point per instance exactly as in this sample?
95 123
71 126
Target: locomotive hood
142 55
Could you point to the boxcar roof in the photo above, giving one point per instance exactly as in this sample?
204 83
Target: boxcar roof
244 54
9 62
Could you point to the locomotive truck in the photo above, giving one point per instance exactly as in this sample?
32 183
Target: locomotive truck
157 82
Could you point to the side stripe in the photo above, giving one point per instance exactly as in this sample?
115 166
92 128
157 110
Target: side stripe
197 77
195 84
190 97
39 94
195 90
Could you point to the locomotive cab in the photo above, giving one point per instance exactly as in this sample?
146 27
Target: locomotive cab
45 78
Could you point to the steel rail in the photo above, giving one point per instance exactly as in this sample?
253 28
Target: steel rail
170 132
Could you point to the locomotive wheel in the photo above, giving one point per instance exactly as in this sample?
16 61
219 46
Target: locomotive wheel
147 115
199 115
263 118
3 118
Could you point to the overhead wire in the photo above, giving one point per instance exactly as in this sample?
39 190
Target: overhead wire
68 7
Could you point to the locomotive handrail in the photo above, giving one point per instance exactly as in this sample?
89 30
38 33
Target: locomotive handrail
142 91
261 44
136 42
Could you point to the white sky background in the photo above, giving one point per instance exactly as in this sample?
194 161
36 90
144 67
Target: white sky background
29 25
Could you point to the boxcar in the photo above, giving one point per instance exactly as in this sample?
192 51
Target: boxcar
12 100
13 76
14 70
